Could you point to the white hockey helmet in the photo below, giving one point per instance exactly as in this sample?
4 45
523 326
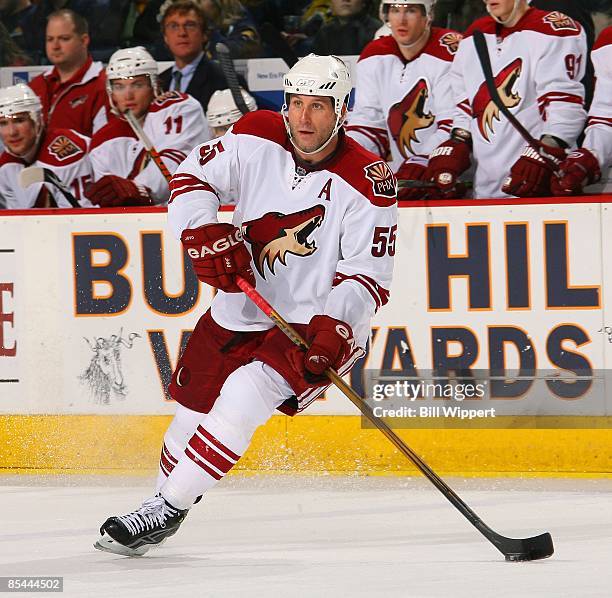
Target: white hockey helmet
319 76
222 110
131 62
427 4
20 98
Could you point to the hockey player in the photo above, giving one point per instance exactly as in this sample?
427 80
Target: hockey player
26 142
222 111
403 98
314 229
538 60
173 121
585 165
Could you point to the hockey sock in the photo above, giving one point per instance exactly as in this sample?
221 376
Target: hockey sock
247 400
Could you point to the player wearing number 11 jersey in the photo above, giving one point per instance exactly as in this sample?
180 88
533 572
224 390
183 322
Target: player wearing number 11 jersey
174 122
314 230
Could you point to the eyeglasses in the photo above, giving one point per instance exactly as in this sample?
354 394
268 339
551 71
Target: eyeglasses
188 27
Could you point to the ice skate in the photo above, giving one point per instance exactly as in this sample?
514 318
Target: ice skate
133 534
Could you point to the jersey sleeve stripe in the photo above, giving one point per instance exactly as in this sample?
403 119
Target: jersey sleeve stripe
379 294
377 136
185 183
599 120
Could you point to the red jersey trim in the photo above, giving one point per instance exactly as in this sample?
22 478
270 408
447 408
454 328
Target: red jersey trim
603 39
116 127
540 21
169 98
6 158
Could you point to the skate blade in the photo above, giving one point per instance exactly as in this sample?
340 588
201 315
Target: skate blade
107 544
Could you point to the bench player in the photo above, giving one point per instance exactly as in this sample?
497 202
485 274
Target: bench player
173 121
222 111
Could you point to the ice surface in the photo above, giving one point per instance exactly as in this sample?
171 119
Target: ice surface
315 537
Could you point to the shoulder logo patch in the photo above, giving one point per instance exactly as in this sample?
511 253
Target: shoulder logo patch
63 147
450 41
558 21
383 182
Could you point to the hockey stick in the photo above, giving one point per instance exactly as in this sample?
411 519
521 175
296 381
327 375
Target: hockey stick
227 66
485 62
36 174
416 184
144 139
521 549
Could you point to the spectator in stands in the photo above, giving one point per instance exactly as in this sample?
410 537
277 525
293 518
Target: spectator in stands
10 53
73 92
17 16
351 28
184 26
232 25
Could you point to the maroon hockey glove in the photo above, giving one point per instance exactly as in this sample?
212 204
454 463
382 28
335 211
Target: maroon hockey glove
530 175
578 169
411 171
330 341
446 163
113 191
218 255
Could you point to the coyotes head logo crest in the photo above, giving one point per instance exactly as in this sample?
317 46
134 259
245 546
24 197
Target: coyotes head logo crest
275 234
62 148
409 116
484 109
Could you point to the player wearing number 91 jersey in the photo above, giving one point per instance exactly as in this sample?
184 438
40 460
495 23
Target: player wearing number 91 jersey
174 122
27 143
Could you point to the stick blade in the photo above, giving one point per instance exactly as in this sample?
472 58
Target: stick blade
31 175
527 549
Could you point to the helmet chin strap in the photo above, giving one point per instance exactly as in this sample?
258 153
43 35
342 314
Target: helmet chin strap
512 16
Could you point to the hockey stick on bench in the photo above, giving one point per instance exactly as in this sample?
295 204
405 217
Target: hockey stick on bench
482 51
520 549
144 139
37 174
227 66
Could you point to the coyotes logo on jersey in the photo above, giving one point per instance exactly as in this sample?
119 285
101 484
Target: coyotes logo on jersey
275 234
558 21
450 41
409 116
63 147
484 110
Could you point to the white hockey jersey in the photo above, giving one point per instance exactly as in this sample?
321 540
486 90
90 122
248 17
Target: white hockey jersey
62 151
598 134
175 124
401 106
537 66
322 241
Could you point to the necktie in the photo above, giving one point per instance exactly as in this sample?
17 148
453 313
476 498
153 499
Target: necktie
177 76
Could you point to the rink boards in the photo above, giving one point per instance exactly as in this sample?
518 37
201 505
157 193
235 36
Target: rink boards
95 306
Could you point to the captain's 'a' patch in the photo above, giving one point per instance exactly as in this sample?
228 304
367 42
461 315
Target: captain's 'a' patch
62 148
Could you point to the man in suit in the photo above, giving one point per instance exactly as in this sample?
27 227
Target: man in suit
184 27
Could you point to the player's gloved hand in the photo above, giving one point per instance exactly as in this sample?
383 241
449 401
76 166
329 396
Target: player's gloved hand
446 163
580 168
411 170
531 174
331 342
218 255
113 191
